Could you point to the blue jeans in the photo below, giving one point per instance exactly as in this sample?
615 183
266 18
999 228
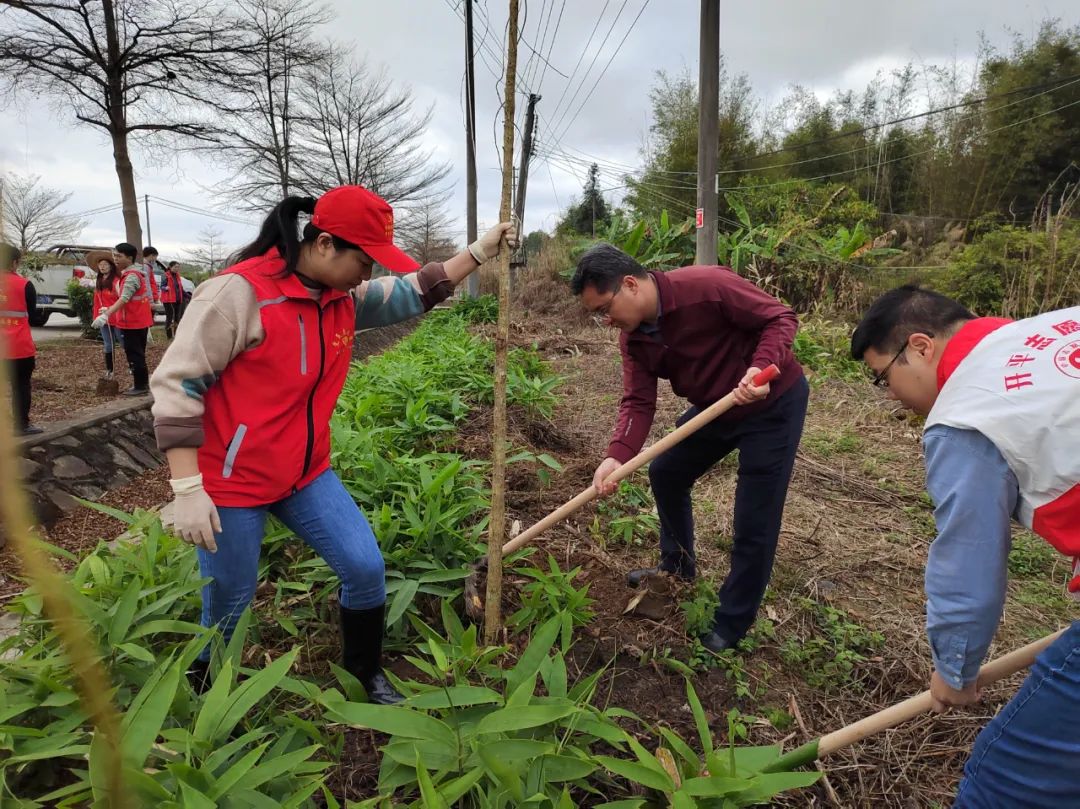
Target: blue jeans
1029 754
111 336
767 442
323 515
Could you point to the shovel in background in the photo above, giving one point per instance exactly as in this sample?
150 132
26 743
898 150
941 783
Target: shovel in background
474 605
1004 666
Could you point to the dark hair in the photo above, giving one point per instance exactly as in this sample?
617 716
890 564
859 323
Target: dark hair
127 249
898 314
10 255
173 264
280 229
603 267
105 280
148 250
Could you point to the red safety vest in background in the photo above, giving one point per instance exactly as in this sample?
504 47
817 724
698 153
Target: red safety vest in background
14 319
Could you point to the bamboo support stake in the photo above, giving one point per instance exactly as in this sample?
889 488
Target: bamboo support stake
497 524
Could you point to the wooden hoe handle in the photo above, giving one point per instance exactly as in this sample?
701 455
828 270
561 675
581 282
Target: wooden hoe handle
635 463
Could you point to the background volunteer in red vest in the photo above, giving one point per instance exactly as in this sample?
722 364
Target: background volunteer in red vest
150 267
134 313
709 332
106 293
172 298
244 395
17 299
1002 441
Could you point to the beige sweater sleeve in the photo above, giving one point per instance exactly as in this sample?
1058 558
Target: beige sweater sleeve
221 321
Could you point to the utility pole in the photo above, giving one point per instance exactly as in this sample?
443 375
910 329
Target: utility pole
526 156
708 128
497 523
472 286
146 204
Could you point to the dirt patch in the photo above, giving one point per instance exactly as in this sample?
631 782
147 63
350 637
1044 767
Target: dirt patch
65 379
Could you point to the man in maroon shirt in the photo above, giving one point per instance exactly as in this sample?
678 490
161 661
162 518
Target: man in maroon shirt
708 331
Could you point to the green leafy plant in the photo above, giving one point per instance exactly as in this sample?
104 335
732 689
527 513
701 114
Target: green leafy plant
552 595
837 647
722 777
628 516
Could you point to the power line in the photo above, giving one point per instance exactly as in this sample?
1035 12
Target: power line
596 55
551 47
221 217
581 56
602 72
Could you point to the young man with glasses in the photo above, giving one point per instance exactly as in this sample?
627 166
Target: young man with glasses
709 332
1002 441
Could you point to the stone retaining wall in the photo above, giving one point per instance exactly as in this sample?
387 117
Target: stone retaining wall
101 449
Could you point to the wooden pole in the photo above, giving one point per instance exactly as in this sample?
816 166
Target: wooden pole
497 525
708 128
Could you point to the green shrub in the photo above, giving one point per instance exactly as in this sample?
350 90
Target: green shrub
82 302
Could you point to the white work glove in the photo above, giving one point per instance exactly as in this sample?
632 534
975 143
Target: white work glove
103 310
195 517
487 246
100 321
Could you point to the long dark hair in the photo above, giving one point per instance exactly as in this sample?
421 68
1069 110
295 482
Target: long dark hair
281 229
105 280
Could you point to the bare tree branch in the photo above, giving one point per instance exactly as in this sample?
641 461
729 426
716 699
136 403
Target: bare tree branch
32 214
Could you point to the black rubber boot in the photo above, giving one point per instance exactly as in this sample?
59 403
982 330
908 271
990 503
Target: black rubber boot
199 676
361 646
108 362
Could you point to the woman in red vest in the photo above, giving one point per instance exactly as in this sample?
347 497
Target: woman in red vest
133 313
106 293
244 395
172 298
17 299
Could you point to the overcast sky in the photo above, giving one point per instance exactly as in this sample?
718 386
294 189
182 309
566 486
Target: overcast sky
824 45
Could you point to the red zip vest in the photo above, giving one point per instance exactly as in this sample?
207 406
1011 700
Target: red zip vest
136 313
106 298
171 292
14 319
267 417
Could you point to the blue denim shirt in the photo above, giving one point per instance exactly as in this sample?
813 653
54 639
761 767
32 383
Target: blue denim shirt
975 495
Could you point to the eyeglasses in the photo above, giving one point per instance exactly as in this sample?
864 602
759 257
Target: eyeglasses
881 380
604 312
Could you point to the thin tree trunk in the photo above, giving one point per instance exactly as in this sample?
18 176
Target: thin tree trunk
497 525
118 129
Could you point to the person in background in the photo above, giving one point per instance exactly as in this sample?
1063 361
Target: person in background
106 293
134 313
172 298
18 299
244 395
150 267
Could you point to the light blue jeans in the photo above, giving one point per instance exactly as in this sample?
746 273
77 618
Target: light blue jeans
111 336
325 516
1029 754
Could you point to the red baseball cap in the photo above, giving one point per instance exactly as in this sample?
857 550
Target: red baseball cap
354 214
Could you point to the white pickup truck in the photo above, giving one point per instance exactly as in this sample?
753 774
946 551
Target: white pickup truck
51 281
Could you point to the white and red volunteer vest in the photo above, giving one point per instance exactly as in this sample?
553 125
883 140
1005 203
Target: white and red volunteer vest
1019 385
267 418
14 319
137 312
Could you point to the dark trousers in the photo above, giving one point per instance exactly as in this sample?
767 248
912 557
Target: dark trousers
21 370
767 442
172 317
135 350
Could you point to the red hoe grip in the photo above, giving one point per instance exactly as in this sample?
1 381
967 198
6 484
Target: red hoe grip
766 376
